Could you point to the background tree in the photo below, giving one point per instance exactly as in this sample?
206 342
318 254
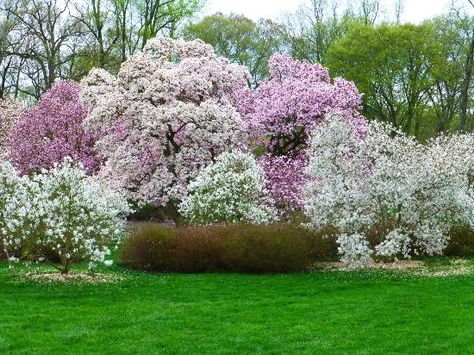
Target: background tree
392 66
315 27
447 71
240 39
467 26
49 31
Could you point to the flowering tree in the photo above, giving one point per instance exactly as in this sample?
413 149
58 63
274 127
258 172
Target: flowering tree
284 109
52 130
61 210
10 111
171 111
16 219
385 183
230 190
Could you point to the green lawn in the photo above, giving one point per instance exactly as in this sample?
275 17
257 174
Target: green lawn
369 312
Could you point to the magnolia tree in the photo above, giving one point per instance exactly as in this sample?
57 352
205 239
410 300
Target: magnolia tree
52 130
230 190
281 113
10 111
171 113
60 210
16 219
385 184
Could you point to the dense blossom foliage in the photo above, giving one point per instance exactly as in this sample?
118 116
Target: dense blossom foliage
16 218
52 130
171 112
385 183
10 111
230 190
285 178
60 210
282 112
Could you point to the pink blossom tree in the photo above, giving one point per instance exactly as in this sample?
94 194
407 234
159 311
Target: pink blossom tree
171 110
52 130
10 111
282 111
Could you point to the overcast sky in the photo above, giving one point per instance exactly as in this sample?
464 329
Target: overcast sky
414 11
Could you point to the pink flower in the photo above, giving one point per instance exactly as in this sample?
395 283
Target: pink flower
52 130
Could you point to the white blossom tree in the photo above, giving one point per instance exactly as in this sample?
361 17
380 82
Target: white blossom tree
171 112
60 210
381 181
230 190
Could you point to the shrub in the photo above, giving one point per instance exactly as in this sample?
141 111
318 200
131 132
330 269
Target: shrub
60 213
461 241
150 248
232 189
231 248
258 249
388 195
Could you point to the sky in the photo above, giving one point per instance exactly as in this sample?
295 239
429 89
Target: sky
415 11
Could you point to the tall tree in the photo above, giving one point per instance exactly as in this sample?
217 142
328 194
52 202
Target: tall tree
447 71
156 16
468 22
391 65
240 39
49 31
314 27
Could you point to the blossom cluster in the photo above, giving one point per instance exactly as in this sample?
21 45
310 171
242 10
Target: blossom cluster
230 190
10 112
284 109
285 178
169 112
385 183
52 130
60 210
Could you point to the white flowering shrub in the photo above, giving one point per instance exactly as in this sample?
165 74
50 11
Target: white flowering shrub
16 220
230 190
378 180
66 212
354 250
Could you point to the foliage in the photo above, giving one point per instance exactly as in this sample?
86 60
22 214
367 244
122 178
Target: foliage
231 248
52 130
171 112
17 219
411 194
393 66
10 111
232 189
284 109
63 211
240 39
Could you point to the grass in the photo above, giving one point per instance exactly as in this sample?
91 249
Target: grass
365 312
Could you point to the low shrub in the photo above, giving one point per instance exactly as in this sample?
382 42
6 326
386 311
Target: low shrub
232 247
258 249
150 248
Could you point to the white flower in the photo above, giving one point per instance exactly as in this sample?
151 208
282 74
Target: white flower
382 181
